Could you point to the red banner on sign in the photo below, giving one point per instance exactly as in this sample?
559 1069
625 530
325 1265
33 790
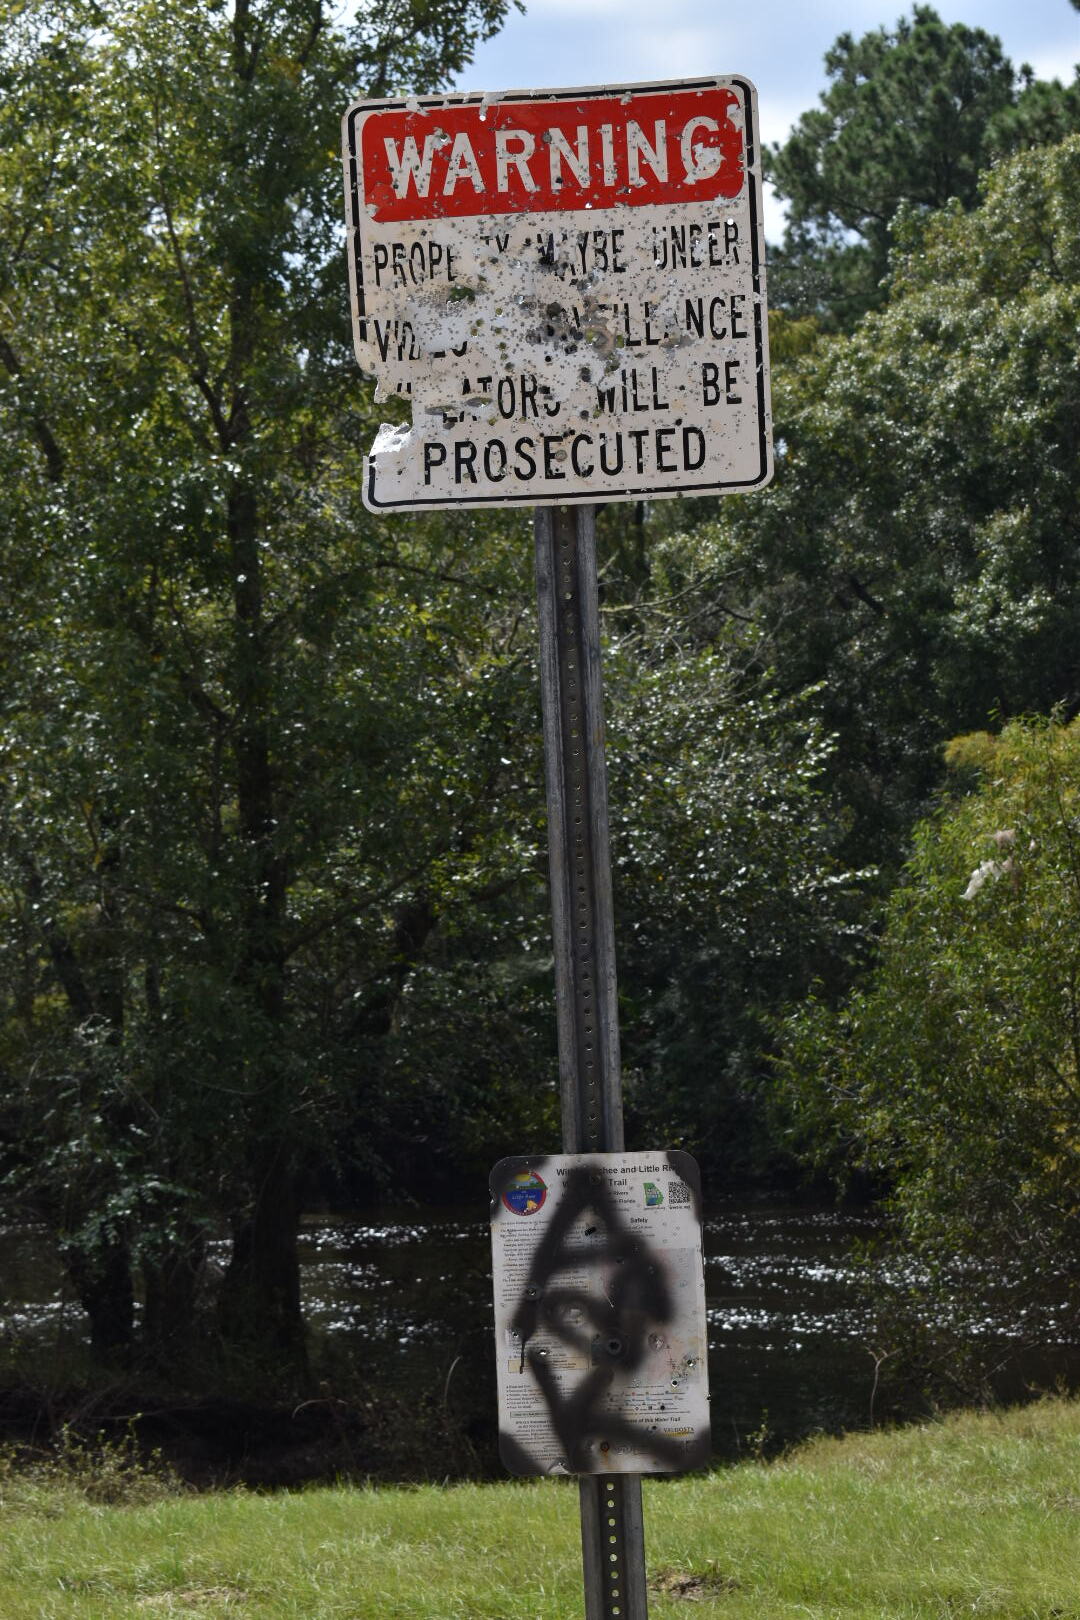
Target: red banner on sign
509 157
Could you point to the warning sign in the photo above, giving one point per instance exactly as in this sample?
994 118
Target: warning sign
600 1313
567 288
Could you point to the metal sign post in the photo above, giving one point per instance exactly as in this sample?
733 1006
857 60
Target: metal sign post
578 842
600 1320
566 287
612 1532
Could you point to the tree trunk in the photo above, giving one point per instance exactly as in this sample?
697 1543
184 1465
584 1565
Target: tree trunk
103 1285
260 1315
170 1290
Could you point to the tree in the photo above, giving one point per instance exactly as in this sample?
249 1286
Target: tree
918 551
904 120
1044 113
729 896
218 833
272 879
953 1073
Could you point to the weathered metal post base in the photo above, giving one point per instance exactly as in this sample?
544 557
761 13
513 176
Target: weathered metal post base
612 1534
613 1547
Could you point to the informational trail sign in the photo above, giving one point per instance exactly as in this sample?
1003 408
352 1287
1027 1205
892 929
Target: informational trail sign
601 1341
567 286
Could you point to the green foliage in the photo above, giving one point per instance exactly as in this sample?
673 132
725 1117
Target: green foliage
904 119
918 551
235 717
953 1074
272 877
272 873
728 894
1044 113
103 1472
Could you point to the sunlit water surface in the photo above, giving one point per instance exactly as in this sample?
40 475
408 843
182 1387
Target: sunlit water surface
406 1295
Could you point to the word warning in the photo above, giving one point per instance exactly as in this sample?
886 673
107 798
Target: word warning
566 291
600 1321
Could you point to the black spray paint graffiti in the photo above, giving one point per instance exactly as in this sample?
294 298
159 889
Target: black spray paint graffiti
614 1331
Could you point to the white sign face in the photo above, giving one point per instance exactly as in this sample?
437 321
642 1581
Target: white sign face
600 1330
568 287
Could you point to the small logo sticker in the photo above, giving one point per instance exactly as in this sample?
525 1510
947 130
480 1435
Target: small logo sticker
525 1194
653 1196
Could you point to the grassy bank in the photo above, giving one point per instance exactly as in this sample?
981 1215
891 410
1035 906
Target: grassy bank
977 1515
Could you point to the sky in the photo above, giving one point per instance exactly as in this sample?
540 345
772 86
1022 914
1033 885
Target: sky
778 44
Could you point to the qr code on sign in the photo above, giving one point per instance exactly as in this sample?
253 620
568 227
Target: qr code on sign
677 1193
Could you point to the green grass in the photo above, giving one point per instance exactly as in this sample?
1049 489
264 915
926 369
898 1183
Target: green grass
978 1515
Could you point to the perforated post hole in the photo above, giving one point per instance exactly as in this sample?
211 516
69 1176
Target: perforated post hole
615 1589
614 1541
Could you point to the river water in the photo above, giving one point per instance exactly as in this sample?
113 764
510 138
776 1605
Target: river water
789 1330
405 1297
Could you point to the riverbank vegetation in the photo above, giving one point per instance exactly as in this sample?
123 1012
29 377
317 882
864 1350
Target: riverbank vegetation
952 1071
273 912
974 1514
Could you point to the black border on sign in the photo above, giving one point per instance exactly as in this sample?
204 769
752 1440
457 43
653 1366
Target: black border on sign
356 277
